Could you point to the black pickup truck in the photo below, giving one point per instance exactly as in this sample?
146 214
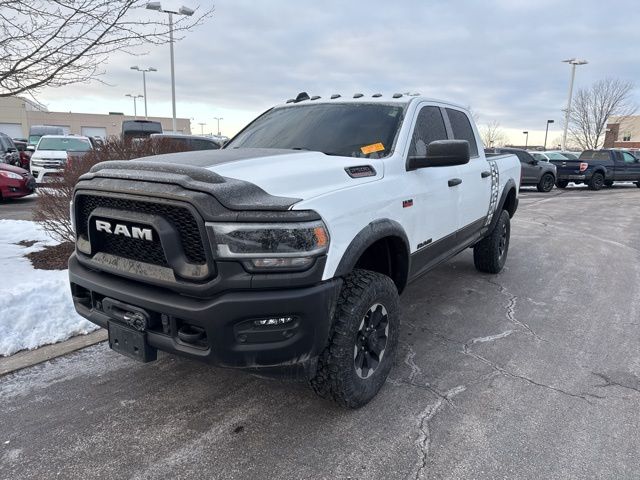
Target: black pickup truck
598 168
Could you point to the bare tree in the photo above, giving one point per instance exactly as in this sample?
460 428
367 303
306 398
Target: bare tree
593 106
492 135
61 42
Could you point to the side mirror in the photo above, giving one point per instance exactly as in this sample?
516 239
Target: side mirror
31 148
442 153
534 161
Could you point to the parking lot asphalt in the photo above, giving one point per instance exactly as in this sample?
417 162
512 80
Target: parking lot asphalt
18 208
532 373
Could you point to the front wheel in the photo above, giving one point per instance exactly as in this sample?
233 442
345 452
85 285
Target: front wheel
562 183
546 183
363 340
490 253
638 184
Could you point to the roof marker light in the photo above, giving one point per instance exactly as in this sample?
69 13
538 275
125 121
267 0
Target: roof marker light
376 95
397 95
358 95
335 95
291 100
315 97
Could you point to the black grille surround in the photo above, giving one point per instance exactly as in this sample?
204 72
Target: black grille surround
180 217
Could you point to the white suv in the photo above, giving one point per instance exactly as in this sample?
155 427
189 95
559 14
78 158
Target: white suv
52 153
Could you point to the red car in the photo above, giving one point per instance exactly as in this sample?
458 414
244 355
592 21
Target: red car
15 182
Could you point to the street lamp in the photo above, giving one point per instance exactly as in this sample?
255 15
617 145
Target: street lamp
526 140
545 135
135 112
202 124
144 83
573 62
218 119
182 11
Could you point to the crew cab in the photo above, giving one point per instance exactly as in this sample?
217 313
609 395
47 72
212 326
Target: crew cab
289 247
599 168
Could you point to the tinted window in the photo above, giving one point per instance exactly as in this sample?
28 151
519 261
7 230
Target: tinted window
352 130
429 127
556 156
628 158
462 129
524 157
595 155
199 144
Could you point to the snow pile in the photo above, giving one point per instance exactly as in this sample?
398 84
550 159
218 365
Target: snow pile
35 305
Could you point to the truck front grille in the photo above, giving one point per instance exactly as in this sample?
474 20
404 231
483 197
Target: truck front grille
180 218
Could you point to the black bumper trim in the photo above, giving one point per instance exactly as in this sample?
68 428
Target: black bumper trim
313 307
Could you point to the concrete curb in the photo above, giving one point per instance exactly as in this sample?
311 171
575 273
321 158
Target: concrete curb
29 358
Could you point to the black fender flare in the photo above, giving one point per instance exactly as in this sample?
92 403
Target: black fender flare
374 231
508 187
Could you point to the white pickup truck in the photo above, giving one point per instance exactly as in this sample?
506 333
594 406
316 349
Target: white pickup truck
289 247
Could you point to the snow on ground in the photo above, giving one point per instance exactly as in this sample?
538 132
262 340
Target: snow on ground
35 305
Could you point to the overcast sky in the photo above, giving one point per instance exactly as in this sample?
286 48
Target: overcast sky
501 57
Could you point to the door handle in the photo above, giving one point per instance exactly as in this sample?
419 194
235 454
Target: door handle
455 181
485 174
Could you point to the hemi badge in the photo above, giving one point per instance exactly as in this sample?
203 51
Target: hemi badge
407 203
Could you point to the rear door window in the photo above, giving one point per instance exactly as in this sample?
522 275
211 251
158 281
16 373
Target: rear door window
462 129
429 127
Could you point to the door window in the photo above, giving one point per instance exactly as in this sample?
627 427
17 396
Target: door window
628 158
429 127
462 129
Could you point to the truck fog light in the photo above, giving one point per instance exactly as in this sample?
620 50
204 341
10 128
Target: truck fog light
283 262
273 321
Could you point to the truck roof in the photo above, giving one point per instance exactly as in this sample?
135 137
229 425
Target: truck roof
398 98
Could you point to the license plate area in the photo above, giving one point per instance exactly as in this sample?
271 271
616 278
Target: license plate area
131 343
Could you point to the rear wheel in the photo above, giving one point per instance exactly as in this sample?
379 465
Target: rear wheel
562 183
546 182
638 184
597 181
490 253
359 354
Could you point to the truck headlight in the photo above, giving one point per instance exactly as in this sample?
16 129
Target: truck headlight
271 246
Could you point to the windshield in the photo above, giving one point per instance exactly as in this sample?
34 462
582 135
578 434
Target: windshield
66 144
351 130
33 139
556 156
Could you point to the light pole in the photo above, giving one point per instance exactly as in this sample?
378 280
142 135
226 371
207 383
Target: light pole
546 132
182 11
202 124
144 83
218 119
573 62
526 140
135 111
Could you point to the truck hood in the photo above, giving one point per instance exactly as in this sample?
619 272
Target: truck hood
301 174
282 173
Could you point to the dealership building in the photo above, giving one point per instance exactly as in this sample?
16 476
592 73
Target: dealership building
18 114
623 132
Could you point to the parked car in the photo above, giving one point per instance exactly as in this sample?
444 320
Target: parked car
53 152
290 246
36 132
189 142
15 182
599 168
535 172
8 150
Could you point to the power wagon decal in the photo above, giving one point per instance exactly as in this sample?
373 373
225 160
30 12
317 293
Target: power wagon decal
495 191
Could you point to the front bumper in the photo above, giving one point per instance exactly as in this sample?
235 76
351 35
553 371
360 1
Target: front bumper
45 175
231 338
